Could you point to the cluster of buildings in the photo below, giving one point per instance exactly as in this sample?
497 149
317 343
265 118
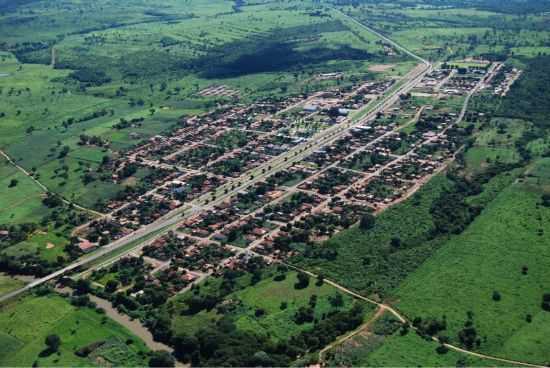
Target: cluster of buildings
509 76
374 165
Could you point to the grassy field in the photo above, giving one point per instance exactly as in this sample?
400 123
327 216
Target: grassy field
489 256
441 32
26 322
407 351
8 283
268 295
20 203
47 245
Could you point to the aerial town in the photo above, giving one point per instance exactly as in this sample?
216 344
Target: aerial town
377 163
274 183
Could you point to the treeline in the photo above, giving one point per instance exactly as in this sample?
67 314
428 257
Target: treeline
498 6
90 77
93 115
529 96
275 52
451 213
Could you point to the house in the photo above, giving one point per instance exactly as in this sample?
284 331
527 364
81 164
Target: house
310 108
86 246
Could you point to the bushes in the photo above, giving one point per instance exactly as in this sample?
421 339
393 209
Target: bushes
90 77
84 351
328 329
386 325
367 222
161 359
430 326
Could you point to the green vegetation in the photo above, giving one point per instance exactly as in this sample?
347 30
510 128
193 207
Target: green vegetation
21 202
8 284
27 322
464 258
273 306
490 255
365 259
476 283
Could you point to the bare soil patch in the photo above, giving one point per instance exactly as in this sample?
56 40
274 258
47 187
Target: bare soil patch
380 67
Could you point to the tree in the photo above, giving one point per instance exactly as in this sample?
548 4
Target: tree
82 287
395 242
111 286
13 183
496 296
52 342
64 151
337 300
320 280
367 222
303 281
52 200
468 335
442 349
545 305
184 346
161 358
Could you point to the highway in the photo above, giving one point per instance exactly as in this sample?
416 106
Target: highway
171 220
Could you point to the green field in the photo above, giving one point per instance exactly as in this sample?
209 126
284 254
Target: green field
26 322
411 350
489 257
21 203
8 283
47 245
275 324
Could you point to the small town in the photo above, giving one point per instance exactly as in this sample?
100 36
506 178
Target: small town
376 164
274 183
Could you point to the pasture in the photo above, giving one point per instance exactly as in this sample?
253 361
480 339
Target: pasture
495 253
26 322
8 283
22 202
